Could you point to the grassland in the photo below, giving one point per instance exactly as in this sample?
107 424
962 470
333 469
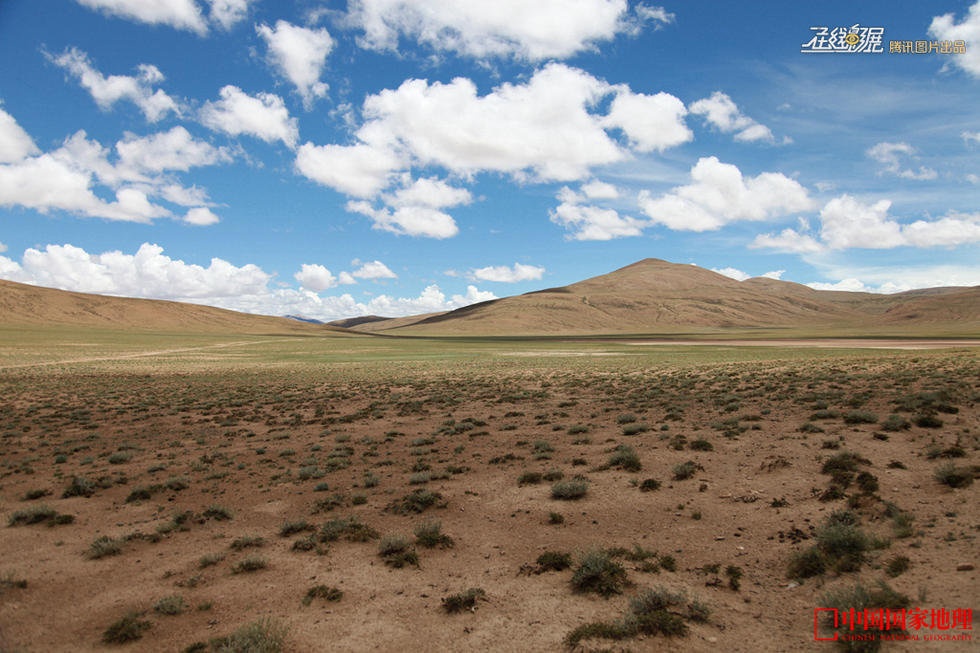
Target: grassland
214 492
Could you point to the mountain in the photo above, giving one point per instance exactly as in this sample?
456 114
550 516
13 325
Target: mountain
656 296
22 305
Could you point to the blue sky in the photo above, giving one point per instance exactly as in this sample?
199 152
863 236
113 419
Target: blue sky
332 159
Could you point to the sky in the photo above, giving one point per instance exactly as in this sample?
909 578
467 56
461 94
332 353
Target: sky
329 159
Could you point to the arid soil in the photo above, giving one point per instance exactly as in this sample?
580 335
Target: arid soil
190 473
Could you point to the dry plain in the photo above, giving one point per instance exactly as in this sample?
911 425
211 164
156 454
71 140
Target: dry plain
215 493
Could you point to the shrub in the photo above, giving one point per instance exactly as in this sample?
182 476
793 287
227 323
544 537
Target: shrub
569 490
556 518
860 417
79 487
649 485
685 470
635 429
396 551
861 598
41 514
210 559
415 502
897 566
867 482
927 421
554 561
293 527
128 629
895 423
701 445
625 458
529 478
262 636
103 547
247 541
626 418
322 592
429 534
170 605
217 512
598 572
953 476
464 600
351 529
250 564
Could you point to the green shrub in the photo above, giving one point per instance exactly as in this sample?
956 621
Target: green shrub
128 629
554 561
895 423
529 478
322 592
953 476
396 551
463 600
685 470
170 605
79 487
649 485
624 457
860 417
103 547
250 564
415 502
262 636
569 490
598 572
429 534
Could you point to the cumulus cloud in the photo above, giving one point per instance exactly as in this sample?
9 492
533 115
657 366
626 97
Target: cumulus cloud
738 275
201 217
890 156
15 143
228 13
504 274
106 91
596 190
650 122
263 116
408 220
546 129
723 114
315 277
151 274
788 240
971 136
181 14
945 28
847 222
299 53
720 195
588 222
373 270
546 29
66 178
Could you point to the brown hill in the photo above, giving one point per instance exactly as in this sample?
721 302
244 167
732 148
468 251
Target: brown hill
23 305
655 296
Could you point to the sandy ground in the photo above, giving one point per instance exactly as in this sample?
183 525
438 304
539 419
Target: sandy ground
260 443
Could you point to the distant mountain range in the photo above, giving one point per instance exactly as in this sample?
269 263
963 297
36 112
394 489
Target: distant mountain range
648 297
656 296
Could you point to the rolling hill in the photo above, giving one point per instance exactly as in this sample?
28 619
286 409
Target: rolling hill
23 305
656 296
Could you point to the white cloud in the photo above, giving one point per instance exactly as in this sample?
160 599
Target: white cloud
971 136
545 29
315 277
66 178
201 217
228 13
374 270
722 113
15 143
172 150
788 240
408 220
891 279
732 273
3 248
651 122
774 274
357 170
263 116
847 222
300 54
597 190
182 14
149 273
504 274
847 285
890 155
545 129
431 192
595 223
106 91
972 178
720 195
945 28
